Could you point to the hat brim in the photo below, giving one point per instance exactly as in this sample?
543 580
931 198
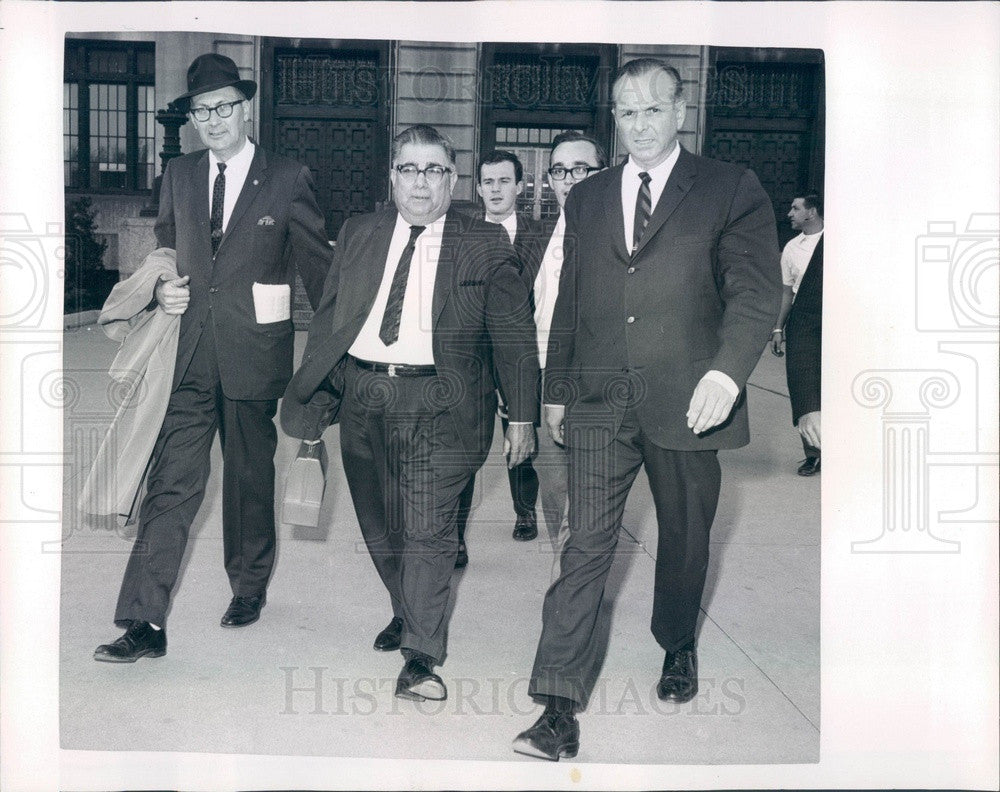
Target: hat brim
246 87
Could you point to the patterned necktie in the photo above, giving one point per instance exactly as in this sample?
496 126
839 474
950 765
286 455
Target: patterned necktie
389 331
218 200
643 203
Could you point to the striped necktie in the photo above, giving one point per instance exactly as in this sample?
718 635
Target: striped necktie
643 204
389 331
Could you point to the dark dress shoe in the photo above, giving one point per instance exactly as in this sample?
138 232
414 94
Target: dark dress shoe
139 640
809 466
418 683
463 556
243 611
526 528
388 640
554 735
679 678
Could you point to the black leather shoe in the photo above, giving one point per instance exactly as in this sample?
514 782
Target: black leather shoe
526 528
554 735
418 683
243 611
139 640
388 640
679 678
463 556
809 466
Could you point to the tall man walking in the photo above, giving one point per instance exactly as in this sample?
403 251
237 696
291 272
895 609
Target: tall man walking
419 304
664 307
242 222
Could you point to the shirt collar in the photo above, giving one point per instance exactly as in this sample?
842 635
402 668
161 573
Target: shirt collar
240 160
659 173
436 228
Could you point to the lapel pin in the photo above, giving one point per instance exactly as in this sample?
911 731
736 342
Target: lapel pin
255 182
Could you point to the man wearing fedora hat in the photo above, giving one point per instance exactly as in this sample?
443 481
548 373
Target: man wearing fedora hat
242 222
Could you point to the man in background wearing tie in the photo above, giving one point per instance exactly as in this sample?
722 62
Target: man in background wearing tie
242 222
667 296
420 306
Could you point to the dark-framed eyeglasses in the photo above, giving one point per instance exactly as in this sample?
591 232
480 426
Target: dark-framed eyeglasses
222 110
433 173
558 172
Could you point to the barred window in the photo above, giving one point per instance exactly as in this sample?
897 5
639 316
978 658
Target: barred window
108 116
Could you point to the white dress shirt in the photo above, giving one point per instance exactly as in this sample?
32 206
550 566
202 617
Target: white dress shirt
795 258
658 180
415 343
546 286
237 168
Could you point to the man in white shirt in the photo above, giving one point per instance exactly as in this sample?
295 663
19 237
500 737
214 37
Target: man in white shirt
803 364
242 221
422 304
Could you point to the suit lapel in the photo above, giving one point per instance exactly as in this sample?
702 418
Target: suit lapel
682 177
446 264
254 183
613 212
368 276
199 202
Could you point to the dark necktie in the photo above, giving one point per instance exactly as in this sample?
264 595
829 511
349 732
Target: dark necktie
218 201
389 331
643 204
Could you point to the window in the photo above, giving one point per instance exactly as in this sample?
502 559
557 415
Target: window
108 116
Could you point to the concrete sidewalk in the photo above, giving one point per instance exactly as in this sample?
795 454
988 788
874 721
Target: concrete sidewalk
304 680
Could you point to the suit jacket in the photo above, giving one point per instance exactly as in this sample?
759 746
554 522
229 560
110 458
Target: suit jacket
803 339
701 292
480 316
275 229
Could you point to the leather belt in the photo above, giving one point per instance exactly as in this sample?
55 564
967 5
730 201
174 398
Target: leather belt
394 369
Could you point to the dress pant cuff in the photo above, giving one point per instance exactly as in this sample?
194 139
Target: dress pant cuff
558 687
434 650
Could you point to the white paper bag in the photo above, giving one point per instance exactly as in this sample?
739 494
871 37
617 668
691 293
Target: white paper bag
272 302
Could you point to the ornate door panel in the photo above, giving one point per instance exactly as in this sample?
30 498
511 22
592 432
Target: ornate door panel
769 116
342 156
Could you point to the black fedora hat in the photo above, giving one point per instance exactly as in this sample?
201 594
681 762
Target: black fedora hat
210 72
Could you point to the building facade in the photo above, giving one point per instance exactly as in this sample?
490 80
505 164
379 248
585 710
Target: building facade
336 104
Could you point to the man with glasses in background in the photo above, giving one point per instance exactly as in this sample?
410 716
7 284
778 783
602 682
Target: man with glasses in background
573 157
420 304
242 222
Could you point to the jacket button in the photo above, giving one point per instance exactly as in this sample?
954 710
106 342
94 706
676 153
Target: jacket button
630 320
630 270
213 289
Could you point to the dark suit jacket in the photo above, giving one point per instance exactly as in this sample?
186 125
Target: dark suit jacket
702 291
480 314
803 339
255 360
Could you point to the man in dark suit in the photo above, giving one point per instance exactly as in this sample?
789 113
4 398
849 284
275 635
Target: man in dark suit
242 222
420 304
501 180
800 322
665 303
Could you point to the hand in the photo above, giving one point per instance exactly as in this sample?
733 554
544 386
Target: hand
553 415
173 296
518 443
777 339
710 405
809 428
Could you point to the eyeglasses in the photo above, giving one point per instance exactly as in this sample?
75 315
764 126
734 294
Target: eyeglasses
223 110
433 173
558 172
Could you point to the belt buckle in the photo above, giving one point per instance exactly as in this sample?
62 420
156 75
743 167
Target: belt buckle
392 370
